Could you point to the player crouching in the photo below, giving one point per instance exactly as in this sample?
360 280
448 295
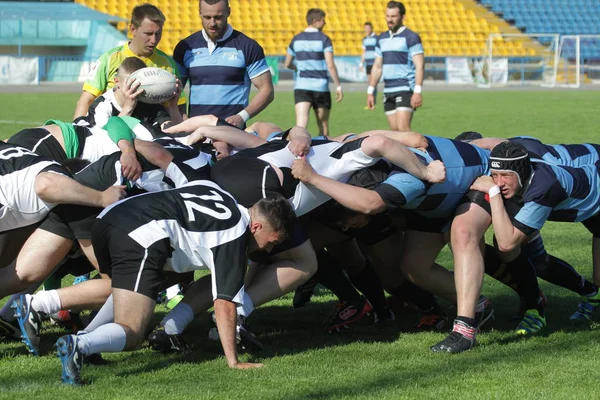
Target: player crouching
197 226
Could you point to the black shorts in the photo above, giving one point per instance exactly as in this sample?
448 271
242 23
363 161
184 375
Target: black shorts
70 221
131 266
316 99
420 223
40 141
397 100
368 69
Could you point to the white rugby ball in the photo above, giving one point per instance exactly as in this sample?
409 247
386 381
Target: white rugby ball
158 84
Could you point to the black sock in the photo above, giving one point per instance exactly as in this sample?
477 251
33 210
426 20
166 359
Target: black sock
368 283
469 321
528 289
331 275
495 268
420 297
555 270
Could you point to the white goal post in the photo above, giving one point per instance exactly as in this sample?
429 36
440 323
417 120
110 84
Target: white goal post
579 60
518 59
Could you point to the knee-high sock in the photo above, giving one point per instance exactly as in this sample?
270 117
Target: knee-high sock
495 268
104 316
106 338
368 283
555 270
527 284
178 319
331 275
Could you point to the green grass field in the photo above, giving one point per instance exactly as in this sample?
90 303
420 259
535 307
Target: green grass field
395 362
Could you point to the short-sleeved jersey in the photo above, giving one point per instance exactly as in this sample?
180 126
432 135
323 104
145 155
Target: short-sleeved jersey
397 50
331 159
219 74
368 45
309 48
207 229
19 204
570 155
103 72
464 163
151 116
558 193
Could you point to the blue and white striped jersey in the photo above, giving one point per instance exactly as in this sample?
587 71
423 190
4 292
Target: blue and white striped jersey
397 50
309 48
220 75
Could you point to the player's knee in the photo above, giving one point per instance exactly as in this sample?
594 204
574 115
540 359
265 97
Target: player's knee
464 236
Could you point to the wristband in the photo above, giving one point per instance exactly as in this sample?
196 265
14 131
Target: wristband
418 89
371 90
360 64
338 89
494 190
244 114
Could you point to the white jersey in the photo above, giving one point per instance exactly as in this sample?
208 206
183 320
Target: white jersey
249 175
334 160
20 206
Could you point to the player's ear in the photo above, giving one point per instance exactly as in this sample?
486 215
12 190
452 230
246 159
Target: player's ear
255 226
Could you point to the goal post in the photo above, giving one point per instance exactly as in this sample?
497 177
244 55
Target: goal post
579 60
518 59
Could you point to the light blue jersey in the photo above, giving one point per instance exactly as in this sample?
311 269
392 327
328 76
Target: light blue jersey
397 51
309 48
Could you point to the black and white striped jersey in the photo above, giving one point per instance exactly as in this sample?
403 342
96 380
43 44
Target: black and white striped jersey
206 227
188 165
331 159
151 116
19 204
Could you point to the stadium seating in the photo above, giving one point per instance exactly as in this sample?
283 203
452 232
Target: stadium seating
567 17
447 27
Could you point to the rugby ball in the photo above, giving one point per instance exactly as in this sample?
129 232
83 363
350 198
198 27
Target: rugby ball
158 84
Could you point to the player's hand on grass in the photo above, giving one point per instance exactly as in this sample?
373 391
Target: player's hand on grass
302 170
484 183
299 148
130 166
235 120
370 102
436 172
247 365
416 100
112 195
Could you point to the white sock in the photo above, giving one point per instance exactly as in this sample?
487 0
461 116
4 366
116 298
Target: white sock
173 291
46 301
109 338
176 320
246 308
105 316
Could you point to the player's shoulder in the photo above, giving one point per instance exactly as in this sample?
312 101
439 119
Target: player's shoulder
241 39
